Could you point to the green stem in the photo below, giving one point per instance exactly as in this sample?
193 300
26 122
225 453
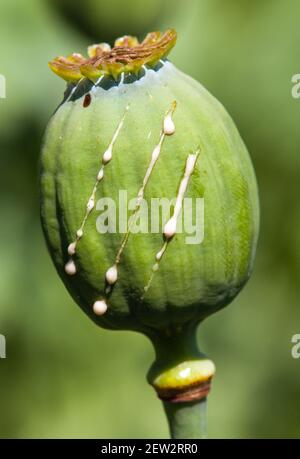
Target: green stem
187 420
180 368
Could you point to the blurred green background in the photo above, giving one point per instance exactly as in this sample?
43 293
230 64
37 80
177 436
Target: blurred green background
64 377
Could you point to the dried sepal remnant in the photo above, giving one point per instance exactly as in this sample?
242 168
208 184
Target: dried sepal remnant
190 394
127 55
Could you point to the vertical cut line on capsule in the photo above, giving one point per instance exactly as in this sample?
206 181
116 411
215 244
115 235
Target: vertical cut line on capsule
170 226
168 128
73 90
99 80
70 266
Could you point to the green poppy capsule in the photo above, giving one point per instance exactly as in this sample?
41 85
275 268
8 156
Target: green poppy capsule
149 202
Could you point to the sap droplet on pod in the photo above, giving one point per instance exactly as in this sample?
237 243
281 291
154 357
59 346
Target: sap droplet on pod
90 205
79 233
170 228
169 126
100 307
70 268
72 248
107 156
100 174
111 275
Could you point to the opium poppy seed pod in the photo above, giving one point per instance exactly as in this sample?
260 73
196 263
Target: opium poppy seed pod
132 124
